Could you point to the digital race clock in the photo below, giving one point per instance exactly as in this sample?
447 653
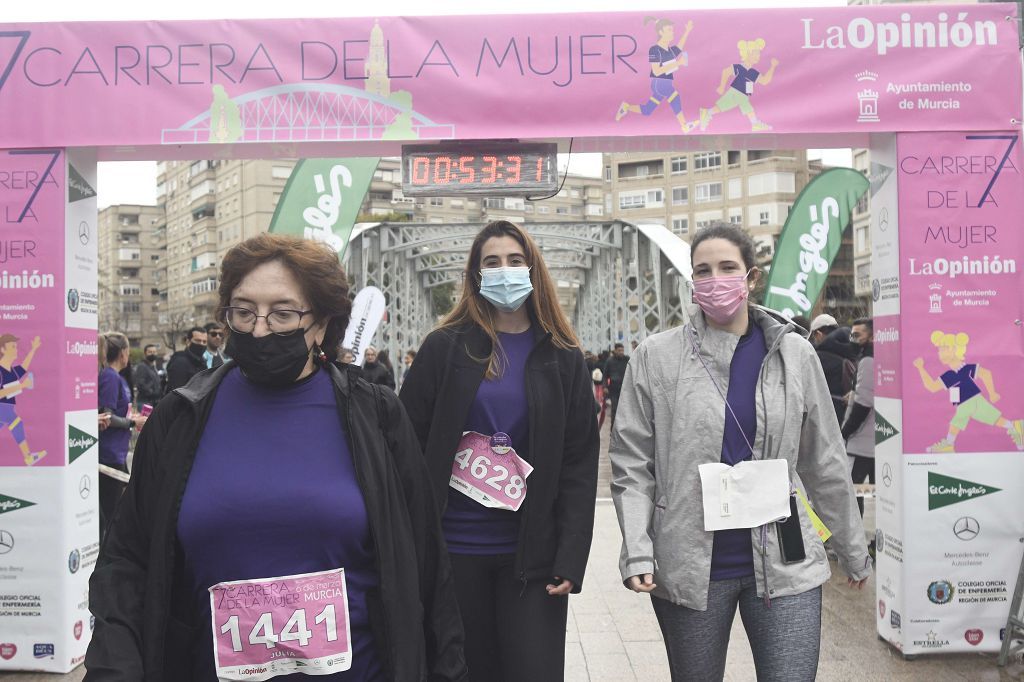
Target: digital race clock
449 169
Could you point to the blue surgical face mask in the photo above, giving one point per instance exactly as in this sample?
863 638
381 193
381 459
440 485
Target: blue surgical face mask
506 288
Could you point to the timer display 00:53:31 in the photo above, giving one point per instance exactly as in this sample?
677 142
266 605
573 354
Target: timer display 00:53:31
472 170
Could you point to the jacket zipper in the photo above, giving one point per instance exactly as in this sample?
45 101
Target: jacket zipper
521 554
764 455
360 476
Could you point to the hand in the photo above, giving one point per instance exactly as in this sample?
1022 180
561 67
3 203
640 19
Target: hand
994 397
689 25
28 381
564 587
104 420
139 421
775 62
856 584
644 583
720 89
36 343
919 363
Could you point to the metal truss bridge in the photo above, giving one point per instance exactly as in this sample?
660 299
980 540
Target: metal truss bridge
311 112
618 282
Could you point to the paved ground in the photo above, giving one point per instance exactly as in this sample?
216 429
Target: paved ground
614 637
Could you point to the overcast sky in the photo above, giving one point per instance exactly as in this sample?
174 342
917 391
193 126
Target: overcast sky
135 182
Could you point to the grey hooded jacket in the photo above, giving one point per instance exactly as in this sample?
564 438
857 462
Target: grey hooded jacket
671 419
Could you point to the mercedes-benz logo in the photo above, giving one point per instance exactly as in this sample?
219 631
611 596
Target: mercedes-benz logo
887 475
966 528
83 232
85 486
6 542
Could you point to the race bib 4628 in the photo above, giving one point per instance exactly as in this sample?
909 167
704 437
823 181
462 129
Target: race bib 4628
267 627
486 469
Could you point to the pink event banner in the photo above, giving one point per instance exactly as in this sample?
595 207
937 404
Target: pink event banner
815 70
962 278
31 309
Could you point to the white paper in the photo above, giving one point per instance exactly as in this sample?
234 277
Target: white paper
747 495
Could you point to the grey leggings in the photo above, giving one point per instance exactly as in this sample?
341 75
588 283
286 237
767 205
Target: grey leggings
784 638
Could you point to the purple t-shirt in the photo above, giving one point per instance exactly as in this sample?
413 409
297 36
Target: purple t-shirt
732 555
963 378
500 406
745 79
115 395
273 492
659 55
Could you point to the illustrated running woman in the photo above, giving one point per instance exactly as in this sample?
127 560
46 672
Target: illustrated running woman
13 380
665 59
960 381
744 76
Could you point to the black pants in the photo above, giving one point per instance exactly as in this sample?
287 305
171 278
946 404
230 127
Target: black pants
110 493
513 633
613 396
863 467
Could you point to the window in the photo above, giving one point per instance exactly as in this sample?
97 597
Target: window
543 209
435 201
678 165
128 254
493 202
131 290
862 204
770 183
456 203
203 188
680 196
655 198
608 173
574 193
862 239
595 210
736 216
707 160
680 225
706 218
562 210
628 200
764 217
205 287
130 306
576 210
280 172
735 188
708 191
515 203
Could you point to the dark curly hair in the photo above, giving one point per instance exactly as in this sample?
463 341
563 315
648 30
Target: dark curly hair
315 267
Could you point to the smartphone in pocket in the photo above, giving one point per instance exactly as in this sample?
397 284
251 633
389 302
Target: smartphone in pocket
791 538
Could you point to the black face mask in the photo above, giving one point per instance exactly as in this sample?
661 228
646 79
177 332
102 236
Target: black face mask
274 360
196 349
150 358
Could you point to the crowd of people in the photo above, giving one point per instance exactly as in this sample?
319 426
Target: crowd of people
443 528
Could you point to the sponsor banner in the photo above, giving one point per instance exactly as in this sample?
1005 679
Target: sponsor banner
368 310
335 80
888 376
31 324
964 551
811 239
885 266
80 243
962 273
48 489
322 198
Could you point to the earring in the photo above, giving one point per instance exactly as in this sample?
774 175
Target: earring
321 357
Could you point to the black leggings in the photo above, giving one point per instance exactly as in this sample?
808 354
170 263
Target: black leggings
863 467
513 633
110 492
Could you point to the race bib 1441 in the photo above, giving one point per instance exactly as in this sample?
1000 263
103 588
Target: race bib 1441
267 627
486 469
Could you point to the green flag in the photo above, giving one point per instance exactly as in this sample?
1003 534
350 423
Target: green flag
811 239
322 198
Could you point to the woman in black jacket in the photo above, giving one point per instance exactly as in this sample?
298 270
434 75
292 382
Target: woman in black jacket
500 398
278 520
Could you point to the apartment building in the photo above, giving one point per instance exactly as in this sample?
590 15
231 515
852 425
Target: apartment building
862 234
131 251
688 191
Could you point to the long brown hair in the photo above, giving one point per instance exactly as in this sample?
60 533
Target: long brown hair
543 307
314 266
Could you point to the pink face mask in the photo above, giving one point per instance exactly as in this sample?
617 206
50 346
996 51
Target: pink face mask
720 297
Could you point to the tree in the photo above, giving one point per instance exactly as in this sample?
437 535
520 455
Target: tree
174 332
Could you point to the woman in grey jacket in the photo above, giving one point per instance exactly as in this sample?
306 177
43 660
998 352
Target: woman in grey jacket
726 428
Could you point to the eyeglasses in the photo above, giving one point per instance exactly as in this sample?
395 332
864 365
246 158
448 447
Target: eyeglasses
284 321
213 333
